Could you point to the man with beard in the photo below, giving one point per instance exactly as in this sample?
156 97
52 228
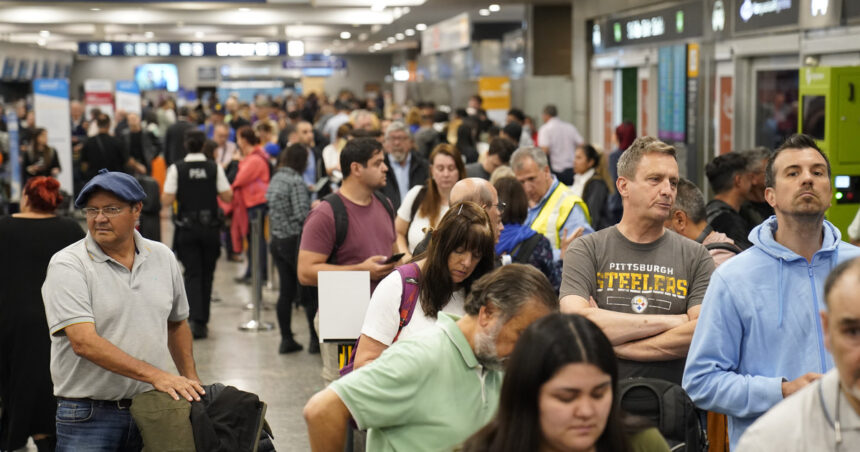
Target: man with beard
407 169
434 391
758 338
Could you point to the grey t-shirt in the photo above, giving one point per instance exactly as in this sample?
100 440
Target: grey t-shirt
477 170
667 276
130 309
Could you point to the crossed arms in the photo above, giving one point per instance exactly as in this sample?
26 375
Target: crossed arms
639 337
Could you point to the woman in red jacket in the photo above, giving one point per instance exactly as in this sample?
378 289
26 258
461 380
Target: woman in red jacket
249 194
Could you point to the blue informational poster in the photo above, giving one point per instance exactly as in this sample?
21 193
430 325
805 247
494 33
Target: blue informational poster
14 155
679 92
672 93
51 105
127 96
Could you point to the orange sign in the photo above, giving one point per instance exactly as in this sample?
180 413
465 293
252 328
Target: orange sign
607 114
726 114
313 85
643 107
495 92
692 60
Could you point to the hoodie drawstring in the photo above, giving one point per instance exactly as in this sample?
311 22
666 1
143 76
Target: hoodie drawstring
779 296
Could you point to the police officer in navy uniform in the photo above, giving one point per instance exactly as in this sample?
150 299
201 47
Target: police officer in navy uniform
194 183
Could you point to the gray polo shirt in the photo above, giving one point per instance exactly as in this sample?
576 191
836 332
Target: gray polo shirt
129 308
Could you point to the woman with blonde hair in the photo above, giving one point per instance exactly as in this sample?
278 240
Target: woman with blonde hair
425 204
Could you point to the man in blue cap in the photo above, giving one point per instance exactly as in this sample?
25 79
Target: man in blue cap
116 310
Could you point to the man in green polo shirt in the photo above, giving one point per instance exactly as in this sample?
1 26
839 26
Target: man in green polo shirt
434 390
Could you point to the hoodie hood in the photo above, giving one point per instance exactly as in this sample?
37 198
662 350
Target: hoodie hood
762 237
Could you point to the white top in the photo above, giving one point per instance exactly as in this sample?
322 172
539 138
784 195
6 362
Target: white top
579 181
854 227
383 313
800 423
224 154
331 157
416 231
171 181
561 138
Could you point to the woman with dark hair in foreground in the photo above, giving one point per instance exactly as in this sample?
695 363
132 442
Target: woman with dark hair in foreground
560 393
27 242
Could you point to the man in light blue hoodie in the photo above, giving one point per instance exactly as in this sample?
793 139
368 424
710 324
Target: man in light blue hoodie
758 339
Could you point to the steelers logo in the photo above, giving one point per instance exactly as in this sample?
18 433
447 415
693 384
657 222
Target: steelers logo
639 303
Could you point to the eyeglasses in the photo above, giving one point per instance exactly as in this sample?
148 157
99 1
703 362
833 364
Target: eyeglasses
501 206
109 211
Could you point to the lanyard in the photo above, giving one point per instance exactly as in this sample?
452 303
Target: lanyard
837 426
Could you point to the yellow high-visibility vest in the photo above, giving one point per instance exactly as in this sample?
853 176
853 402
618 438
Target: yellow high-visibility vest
555 211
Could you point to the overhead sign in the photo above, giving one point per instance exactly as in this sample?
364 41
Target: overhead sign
181 49
718 18
677 22
315 61
450 34
753 15
821 13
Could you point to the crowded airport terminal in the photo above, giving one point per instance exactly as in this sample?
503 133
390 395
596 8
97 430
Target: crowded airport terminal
430 225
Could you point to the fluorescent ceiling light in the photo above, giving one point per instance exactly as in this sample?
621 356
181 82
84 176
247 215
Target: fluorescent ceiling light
345 35
409 32
484 12
399 36
391 40
494 8
421 27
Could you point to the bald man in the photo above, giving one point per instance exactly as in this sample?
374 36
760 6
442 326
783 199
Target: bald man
478 191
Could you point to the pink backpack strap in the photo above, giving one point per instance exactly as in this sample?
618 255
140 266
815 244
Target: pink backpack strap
409 277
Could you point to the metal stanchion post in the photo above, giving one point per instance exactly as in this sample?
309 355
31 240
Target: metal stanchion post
273 284
256 324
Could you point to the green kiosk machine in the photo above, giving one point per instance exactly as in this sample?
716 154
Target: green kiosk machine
829 111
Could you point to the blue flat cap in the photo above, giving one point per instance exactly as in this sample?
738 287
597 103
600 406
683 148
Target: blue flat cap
122 185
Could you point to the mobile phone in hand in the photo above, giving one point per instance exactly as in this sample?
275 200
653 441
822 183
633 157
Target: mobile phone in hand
394 258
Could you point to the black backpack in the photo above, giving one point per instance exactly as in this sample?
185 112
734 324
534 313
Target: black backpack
523 251
726 246
341 219
667 406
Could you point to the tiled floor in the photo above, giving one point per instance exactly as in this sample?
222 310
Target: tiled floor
250 361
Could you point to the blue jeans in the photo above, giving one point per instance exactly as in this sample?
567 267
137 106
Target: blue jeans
88 426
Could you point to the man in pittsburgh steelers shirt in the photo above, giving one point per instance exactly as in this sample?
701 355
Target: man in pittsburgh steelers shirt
642 284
